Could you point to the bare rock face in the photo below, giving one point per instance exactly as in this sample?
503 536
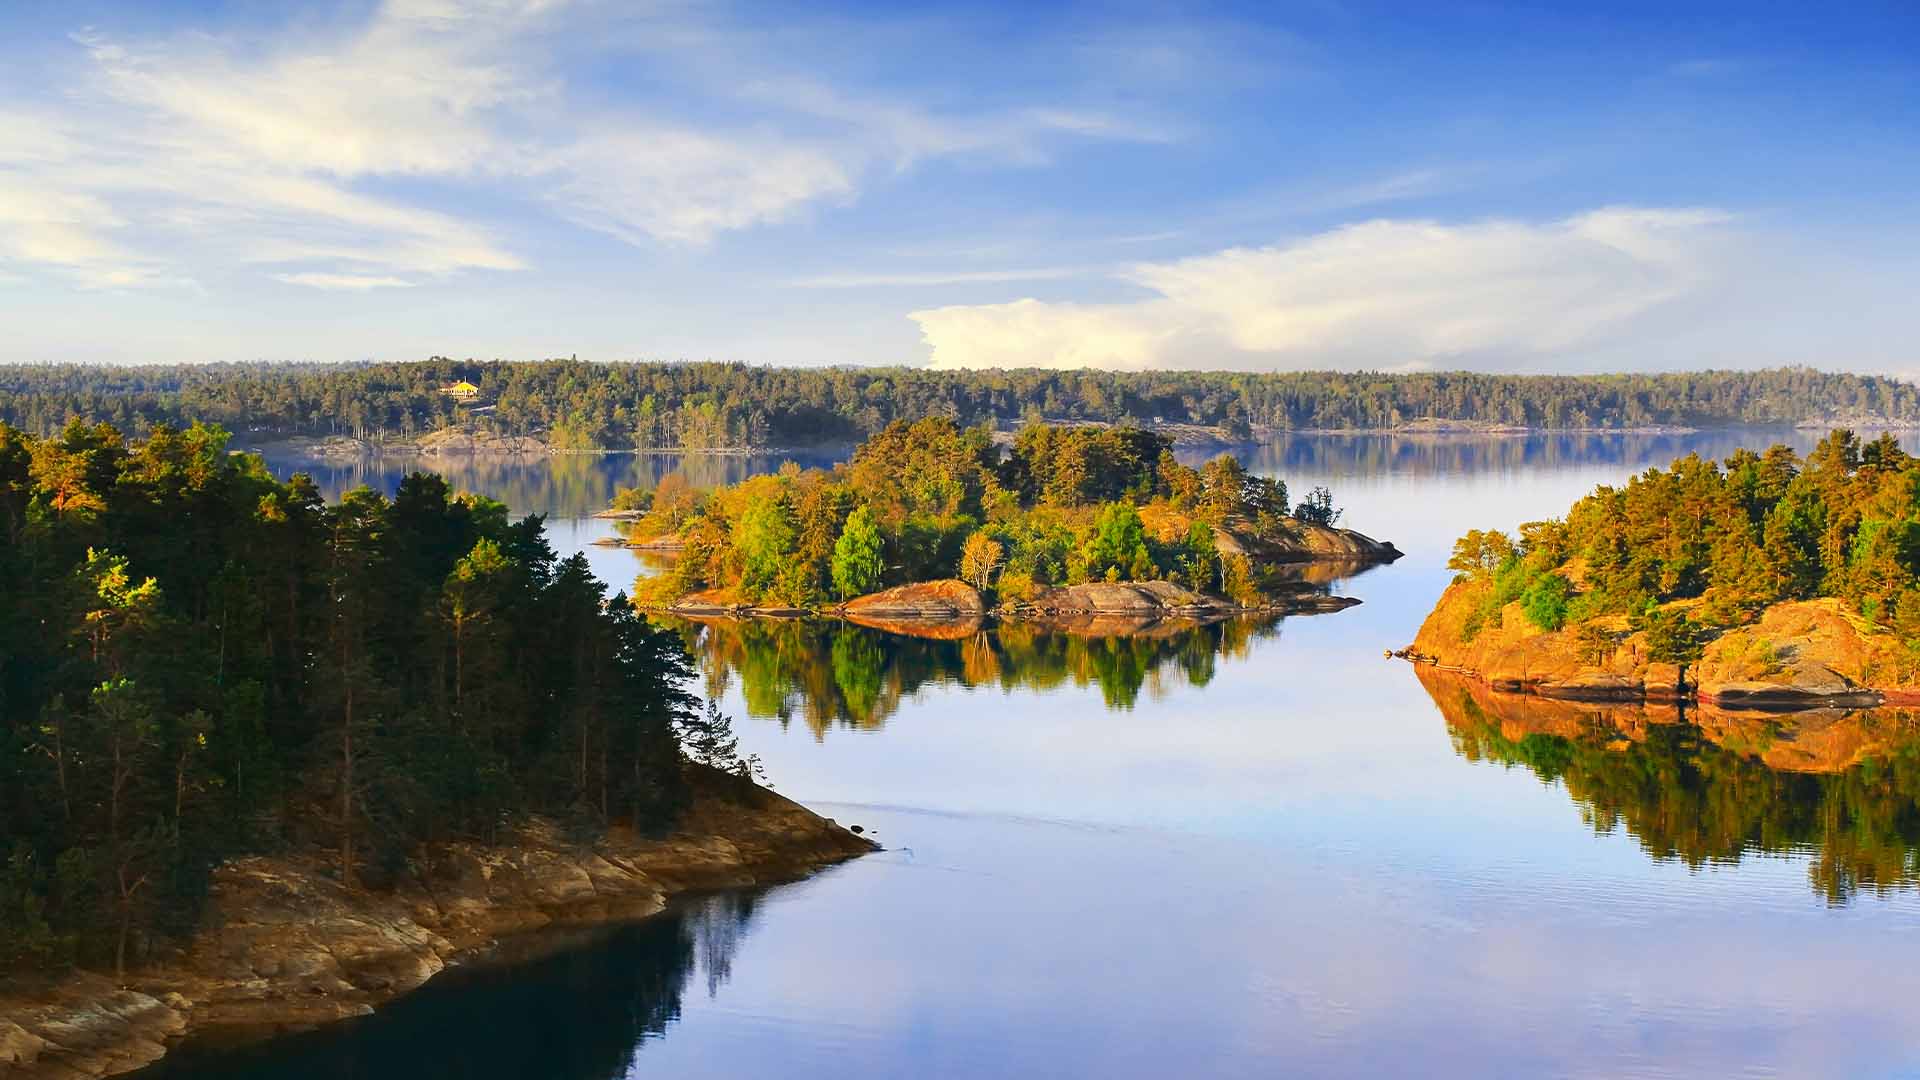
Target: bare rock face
1800 654
1305 542
284 945
1126 598
90 1030
947 599
1797 655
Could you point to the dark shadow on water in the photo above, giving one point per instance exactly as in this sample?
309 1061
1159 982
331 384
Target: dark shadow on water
580 1014
1712 787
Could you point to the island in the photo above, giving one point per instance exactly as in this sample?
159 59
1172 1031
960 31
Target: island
1763 580
930 522
267 760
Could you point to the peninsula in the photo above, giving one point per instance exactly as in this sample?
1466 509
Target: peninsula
1764 580
931 521
267 760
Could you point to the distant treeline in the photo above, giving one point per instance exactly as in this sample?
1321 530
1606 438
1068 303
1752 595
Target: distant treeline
589 406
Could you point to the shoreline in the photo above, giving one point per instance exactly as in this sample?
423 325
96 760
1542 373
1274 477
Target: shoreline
284 948
948 607
1185 435
1793 656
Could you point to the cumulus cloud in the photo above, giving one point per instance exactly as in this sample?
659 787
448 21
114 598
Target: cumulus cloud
1378 294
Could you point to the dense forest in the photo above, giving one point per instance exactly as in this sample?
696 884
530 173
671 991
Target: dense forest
1728 538
197 659
930 500
589 406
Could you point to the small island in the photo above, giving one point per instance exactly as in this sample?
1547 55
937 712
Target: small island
933 523
1765 580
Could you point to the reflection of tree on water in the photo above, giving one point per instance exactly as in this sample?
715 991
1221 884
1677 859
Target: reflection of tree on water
1699 788
559 485
582 1014
716 925
1416 455
832 673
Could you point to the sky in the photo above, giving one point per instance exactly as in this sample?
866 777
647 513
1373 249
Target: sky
1531 187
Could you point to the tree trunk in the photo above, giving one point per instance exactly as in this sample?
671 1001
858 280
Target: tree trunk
346 795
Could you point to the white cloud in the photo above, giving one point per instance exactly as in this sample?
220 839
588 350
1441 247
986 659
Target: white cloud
685 186
910 279
1378 294
344 282
293 152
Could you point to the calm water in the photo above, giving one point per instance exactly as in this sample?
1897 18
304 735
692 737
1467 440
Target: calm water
1256 849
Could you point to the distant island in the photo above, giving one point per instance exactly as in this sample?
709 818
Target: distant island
933 522
1765 580
567 406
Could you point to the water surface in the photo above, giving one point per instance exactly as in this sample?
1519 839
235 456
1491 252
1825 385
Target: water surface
1253 849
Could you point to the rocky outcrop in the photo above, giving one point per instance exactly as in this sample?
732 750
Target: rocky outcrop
1125 598
1797 655
284 945
946 600
1304 542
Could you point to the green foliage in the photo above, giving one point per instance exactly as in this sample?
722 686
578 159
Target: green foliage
1317 508
763 536
1545 601
1672 637
197 660
1118 547
932 500
1478 554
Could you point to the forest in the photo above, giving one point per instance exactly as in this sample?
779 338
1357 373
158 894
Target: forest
198 660
574 405
1728 537
930 500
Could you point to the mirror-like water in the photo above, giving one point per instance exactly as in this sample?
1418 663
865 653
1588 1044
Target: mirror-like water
1238 850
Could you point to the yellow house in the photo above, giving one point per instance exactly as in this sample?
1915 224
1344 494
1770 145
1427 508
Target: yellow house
463 390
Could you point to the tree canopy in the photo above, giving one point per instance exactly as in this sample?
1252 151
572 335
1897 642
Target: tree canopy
1734 536
930 499
197 659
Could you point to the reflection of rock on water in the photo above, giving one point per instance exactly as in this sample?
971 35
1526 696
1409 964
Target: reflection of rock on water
838 674
1710 786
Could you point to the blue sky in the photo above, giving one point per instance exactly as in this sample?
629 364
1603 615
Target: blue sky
1532 187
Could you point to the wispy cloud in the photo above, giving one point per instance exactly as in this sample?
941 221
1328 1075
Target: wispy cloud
344 282
292 152
1380 294
909 279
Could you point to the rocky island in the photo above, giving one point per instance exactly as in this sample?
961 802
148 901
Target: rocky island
1764 580
931 523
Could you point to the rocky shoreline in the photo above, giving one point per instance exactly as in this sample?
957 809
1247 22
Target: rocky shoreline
1796 655
948 608
283 947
